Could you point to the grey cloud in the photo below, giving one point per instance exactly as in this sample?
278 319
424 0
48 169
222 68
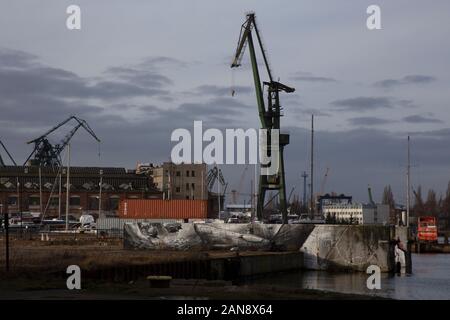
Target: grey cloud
142 78
368 121
156 62
15 58
363 155
410 79
47 93
363 103
308 77
30 78
370 103
435 134
218 112
221 90
225 107
421 119
117 90
309 111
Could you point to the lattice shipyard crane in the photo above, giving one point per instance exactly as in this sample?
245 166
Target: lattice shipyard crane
213 175
2 163
324 182
237 192
48 155
269 116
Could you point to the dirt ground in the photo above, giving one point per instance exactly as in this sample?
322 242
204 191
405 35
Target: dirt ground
35 256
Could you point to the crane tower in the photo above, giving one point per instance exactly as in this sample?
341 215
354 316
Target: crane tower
269 115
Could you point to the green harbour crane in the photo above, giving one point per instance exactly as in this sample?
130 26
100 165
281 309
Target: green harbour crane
269 115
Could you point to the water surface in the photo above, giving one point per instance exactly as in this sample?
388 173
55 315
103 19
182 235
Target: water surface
430 280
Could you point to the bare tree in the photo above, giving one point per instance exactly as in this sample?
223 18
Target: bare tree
388 198
418 208
431 205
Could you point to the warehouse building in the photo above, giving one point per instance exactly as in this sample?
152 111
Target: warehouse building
23 187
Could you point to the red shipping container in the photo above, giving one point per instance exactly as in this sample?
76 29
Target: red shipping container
163 209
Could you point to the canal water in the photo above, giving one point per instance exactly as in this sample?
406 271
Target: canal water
430 280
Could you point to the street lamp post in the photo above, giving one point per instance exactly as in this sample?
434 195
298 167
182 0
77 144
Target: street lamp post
100 195
19 206
6 235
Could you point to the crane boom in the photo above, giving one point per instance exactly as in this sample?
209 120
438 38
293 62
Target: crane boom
81 123
241 181
45 153
245 38
2 163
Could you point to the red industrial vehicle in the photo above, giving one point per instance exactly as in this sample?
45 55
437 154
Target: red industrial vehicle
427 229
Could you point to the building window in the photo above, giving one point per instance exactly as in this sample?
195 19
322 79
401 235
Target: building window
34 201
187 186
54 201
114 202
75 201
93 203
193 173
178 173
187 173
193 186
12 201
177 189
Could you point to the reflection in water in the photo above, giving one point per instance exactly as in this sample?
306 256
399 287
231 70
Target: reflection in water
430 280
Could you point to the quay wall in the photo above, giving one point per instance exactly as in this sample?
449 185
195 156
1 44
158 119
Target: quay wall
323 247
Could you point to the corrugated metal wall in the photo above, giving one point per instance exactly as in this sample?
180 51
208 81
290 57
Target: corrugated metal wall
163 209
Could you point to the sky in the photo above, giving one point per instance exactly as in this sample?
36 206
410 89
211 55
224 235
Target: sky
139 69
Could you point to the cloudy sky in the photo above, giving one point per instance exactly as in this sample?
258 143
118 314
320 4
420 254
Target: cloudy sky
139 69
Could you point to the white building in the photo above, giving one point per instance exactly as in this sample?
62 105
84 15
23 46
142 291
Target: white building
358 213
239 207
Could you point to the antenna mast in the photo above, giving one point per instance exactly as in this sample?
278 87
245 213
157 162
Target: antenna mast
312 168
408 172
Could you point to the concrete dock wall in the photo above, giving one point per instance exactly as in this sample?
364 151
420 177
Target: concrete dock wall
331 247
323 247
256 265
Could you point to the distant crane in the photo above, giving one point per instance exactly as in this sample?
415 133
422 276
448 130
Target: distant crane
215 174
324 181
369 190
237 192
2 163
290 195
304 176
48 155
269 117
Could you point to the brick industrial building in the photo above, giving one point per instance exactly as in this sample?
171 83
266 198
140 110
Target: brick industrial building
21 188
178 181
